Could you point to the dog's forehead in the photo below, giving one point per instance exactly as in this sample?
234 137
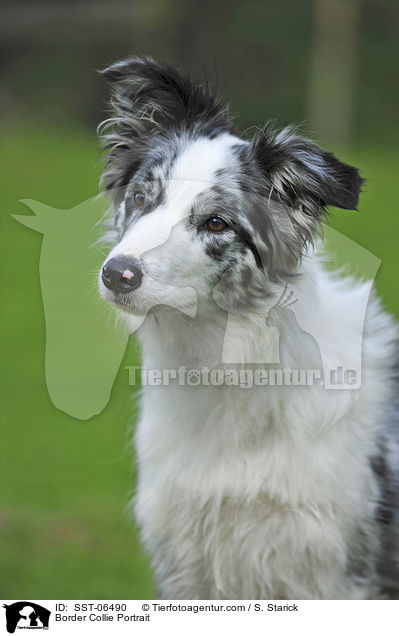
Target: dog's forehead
201 158
197 165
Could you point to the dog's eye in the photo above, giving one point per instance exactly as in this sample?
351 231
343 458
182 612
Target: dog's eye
139 199
216 224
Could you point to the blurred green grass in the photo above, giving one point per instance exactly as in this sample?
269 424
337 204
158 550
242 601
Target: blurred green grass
66 484
66 531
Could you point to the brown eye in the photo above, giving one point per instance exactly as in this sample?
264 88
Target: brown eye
139 199
216 224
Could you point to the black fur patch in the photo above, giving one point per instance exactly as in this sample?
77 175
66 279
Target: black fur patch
180 101
150 100
387 519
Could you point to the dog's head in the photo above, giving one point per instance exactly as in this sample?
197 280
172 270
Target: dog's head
195 205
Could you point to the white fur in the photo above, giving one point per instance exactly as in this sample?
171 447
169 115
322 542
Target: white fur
253 494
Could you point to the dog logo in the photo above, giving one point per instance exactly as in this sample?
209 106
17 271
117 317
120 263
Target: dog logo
26 615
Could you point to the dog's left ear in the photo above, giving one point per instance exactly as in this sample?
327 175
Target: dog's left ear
303 175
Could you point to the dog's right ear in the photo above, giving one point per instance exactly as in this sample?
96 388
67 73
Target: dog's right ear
148 100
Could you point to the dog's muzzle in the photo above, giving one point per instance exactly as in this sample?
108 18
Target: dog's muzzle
122 275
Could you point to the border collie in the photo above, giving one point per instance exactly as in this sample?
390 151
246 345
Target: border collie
285 490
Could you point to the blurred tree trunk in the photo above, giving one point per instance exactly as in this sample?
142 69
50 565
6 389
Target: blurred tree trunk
332 83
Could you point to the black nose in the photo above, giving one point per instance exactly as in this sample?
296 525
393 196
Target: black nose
122 275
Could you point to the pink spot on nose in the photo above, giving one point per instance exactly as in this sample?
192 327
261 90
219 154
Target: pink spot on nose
127 274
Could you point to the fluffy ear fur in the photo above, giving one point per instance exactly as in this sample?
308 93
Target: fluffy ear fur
302 174
300 180
150 99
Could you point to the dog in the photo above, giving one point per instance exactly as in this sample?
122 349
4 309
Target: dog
280 491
